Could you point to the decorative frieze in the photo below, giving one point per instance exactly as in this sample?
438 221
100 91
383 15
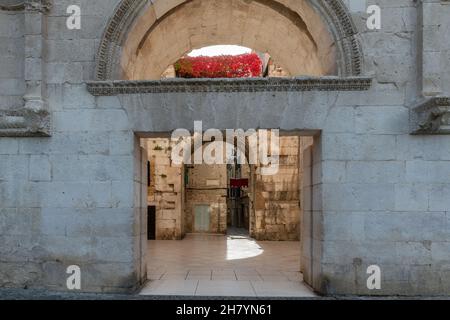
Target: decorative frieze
109 88
432 116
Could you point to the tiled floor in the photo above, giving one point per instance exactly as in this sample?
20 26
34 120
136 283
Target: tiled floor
215 265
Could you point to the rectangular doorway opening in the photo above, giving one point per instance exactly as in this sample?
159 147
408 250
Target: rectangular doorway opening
151 223
229 229
201 218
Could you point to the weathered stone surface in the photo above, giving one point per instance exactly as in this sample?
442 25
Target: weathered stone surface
75 198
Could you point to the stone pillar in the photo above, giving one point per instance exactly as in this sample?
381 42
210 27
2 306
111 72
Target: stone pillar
429 46
431 114
32 118
140 215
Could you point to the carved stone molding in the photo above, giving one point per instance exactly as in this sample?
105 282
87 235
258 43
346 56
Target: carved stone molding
345 33
123 15
108 88
42 6
334 12
432 116
24 123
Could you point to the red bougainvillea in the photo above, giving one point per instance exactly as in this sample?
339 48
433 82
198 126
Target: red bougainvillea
226 66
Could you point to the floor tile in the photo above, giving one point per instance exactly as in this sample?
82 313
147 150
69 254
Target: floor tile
198 277
222 266
293 276
174 276
249 278
274 278
224 277
170 287
281 289
225 288
155 276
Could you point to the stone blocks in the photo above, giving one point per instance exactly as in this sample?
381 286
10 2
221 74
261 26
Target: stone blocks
72 198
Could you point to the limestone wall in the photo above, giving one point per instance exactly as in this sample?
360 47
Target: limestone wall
140 211
166 191
277 197
382 195
207 185
216 200
443 39
434 47
12 51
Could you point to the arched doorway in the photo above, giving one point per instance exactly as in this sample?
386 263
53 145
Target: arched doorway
319 45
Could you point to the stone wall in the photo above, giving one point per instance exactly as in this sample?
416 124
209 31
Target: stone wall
443 39
140 211
381 195
12 51
434 47
216 199
276 202
166 191
207 185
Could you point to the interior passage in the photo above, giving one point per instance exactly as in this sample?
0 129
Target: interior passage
225 265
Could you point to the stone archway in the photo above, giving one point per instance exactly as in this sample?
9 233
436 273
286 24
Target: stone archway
324 26
291 105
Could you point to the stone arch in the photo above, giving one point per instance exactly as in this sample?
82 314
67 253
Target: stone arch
328 26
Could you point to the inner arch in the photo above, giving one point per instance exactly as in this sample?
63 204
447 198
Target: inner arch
290 31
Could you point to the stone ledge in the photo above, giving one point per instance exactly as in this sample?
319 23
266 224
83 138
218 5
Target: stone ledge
110 88
432 116
24 123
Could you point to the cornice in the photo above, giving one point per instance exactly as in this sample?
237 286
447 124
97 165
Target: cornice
108 88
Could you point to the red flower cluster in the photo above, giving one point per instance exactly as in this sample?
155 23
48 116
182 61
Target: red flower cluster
226 66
